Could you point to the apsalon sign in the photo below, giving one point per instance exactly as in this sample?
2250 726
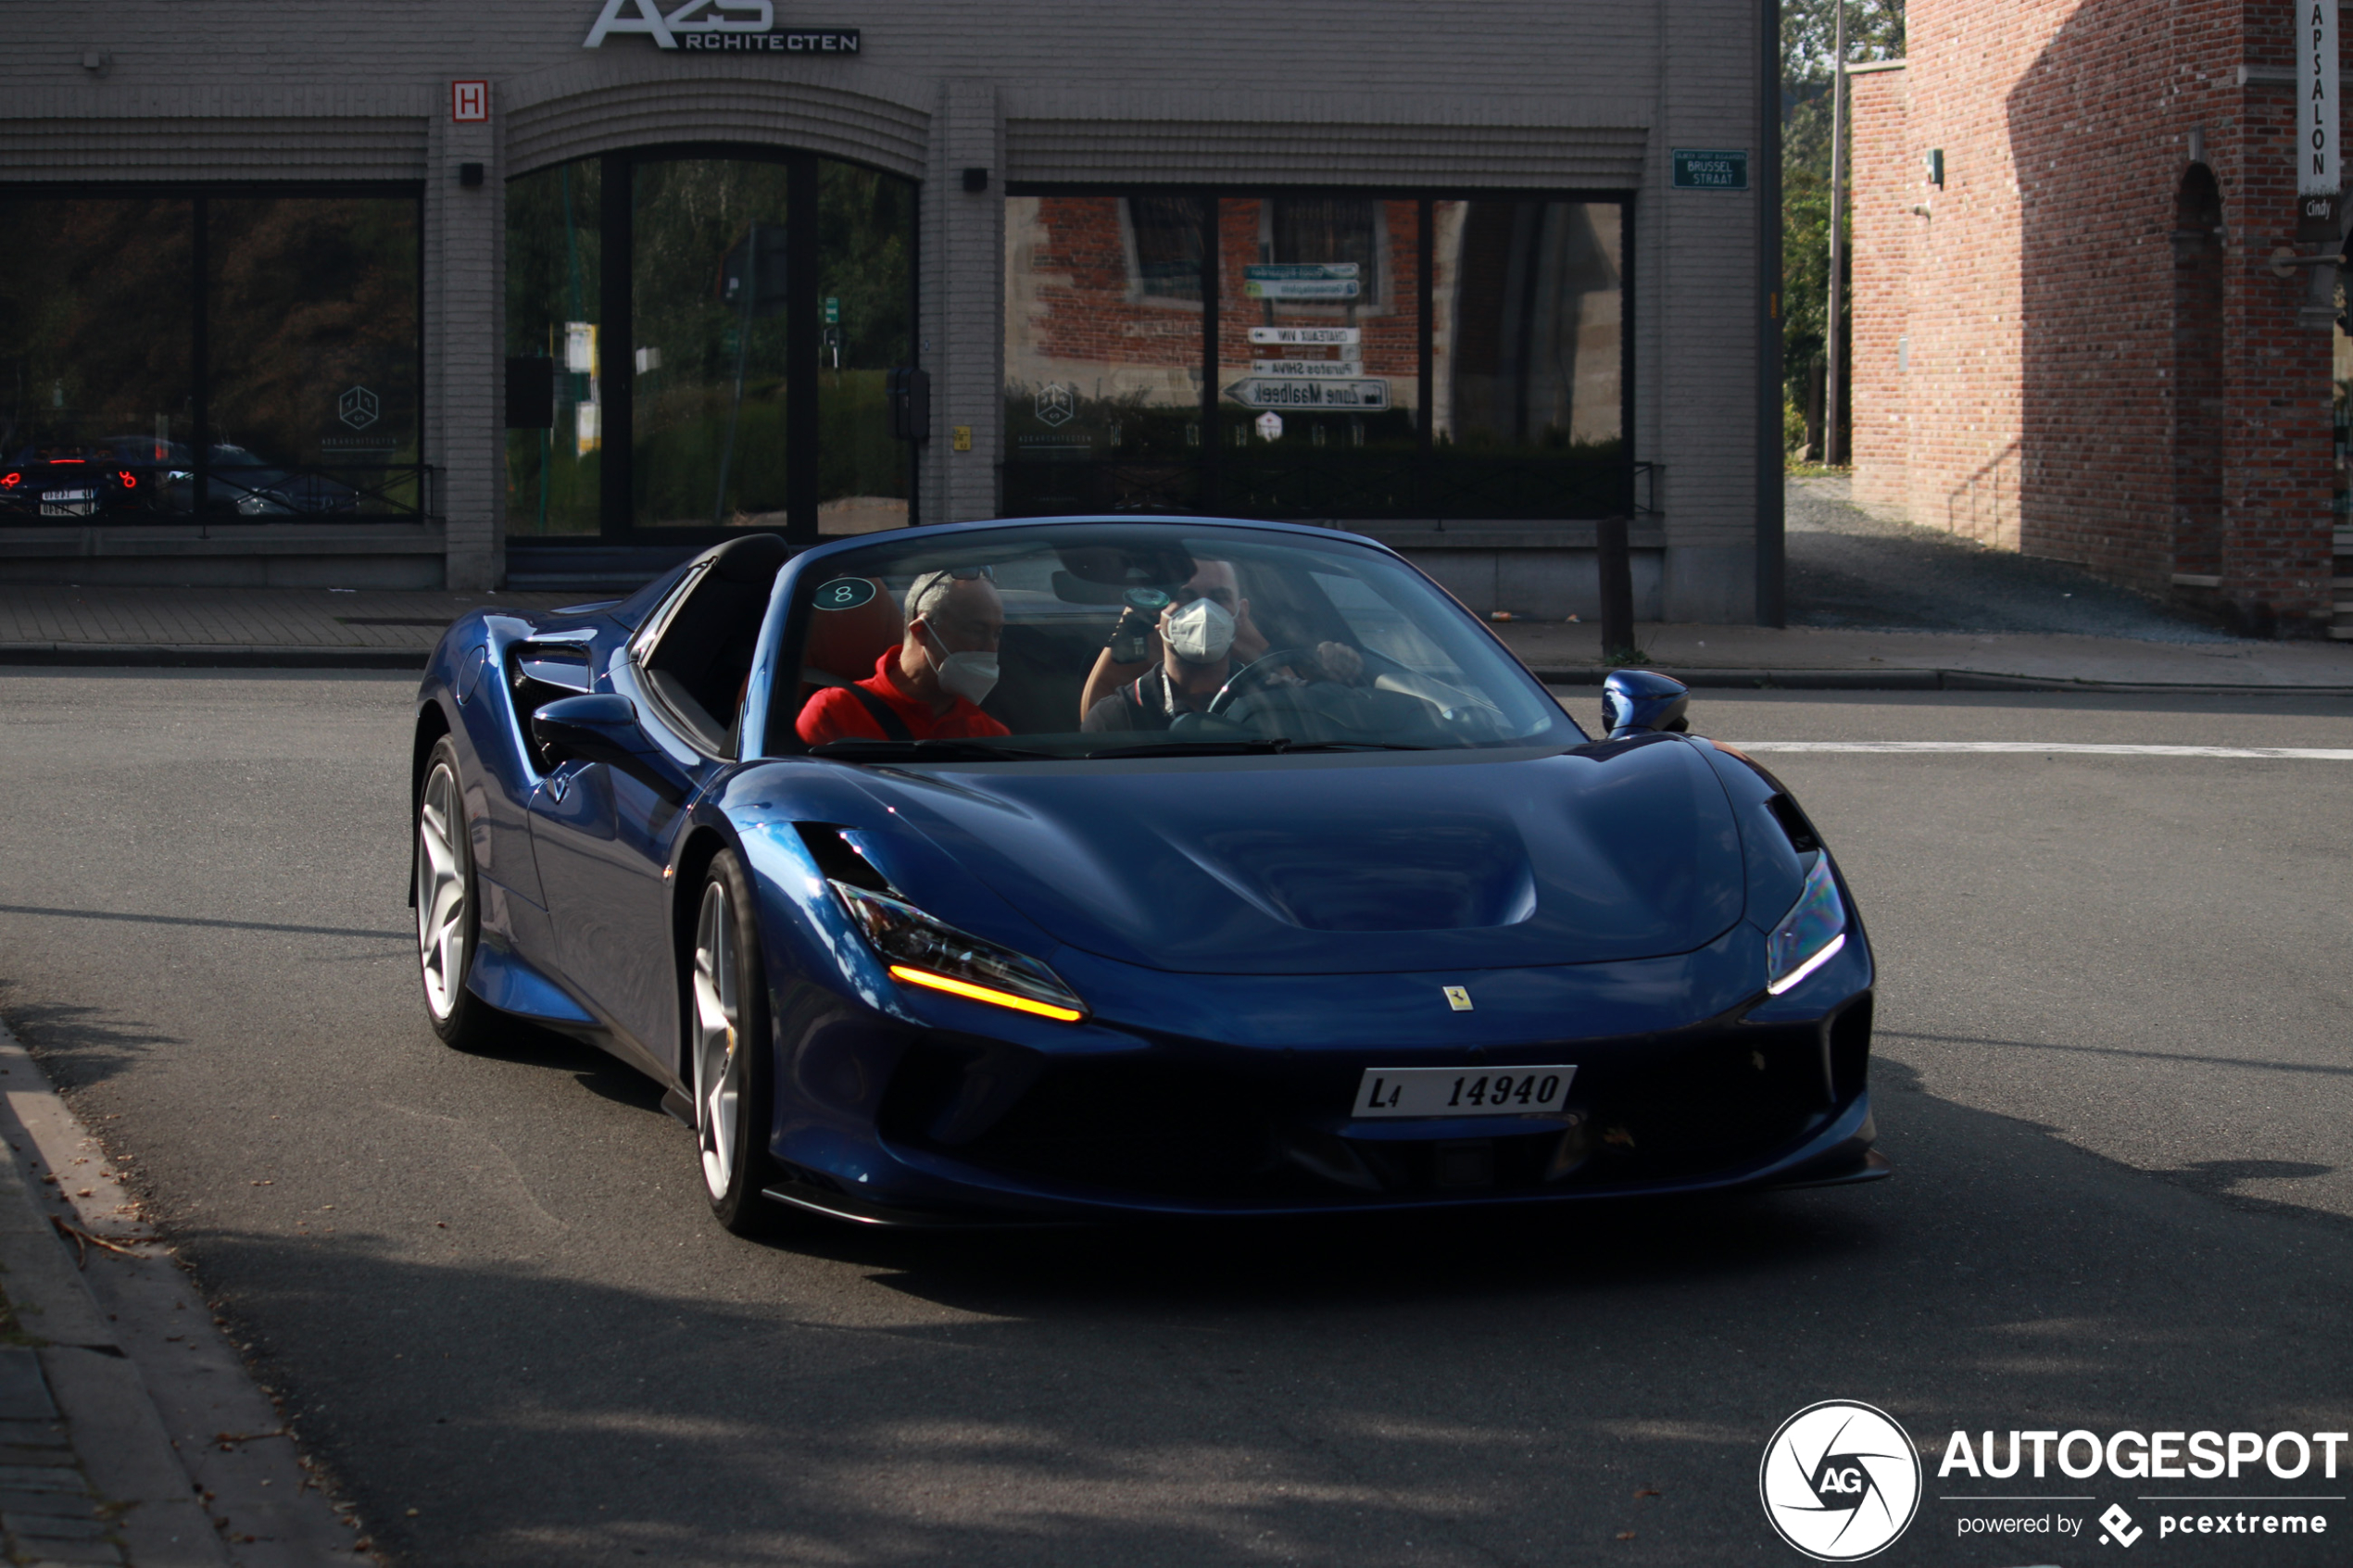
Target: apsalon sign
719 25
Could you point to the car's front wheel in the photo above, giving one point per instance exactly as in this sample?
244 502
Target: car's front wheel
727 1042
448 919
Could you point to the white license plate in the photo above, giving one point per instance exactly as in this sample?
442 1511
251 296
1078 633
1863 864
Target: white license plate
70 503
1454 1091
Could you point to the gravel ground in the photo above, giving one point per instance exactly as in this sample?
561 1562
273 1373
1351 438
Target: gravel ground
1849 569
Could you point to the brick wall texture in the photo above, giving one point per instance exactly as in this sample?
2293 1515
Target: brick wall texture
2076 347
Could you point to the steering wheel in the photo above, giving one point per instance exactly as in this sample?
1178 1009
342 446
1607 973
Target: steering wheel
1251 675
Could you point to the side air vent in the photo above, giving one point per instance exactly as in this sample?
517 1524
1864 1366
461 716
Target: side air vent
539 674
1802 837
839 860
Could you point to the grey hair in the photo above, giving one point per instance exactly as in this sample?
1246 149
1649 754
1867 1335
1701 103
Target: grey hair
926 592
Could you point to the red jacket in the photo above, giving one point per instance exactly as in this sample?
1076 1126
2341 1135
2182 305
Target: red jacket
834 714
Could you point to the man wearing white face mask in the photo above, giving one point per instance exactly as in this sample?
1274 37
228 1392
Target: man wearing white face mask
1202 632
930 686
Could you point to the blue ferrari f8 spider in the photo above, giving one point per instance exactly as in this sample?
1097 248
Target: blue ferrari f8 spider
1056 870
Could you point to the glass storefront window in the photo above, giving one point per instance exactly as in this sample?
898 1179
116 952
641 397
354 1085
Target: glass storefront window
1323 382
708 293
555 254
1527 380
866 305
724 324
1374 355
94 373
312 306
1103 351
1529 351
283 383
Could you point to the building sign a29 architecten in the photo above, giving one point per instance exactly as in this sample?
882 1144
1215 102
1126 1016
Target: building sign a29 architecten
724 26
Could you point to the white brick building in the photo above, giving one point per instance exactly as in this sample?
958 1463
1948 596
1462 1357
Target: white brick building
286 260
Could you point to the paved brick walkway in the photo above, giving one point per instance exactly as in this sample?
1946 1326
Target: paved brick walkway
48 1511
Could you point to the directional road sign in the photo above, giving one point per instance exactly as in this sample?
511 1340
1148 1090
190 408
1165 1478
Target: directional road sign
1307 337
1288 392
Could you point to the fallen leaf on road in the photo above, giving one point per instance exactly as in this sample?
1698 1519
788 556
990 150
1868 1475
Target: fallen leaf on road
1625 1535
1650 1492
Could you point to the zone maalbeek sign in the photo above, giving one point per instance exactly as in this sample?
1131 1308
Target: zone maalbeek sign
726 26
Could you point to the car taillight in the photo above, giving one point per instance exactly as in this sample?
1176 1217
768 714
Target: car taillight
9 481
128 483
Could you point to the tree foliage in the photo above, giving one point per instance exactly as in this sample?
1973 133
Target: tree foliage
1874 32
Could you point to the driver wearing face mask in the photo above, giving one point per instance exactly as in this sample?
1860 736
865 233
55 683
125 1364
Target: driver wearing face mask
930 686
1202 633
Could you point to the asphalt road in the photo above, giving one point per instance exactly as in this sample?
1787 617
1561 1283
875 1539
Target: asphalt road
2114 1078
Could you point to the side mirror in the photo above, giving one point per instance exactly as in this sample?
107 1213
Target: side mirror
1639 702
604 728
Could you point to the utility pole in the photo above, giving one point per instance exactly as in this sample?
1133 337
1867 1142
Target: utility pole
1833 443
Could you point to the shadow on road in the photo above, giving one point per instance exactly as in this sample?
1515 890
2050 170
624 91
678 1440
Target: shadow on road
1429 1390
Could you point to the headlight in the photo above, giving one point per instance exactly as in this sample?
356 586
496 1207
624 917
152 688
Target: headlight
920 950
1810 934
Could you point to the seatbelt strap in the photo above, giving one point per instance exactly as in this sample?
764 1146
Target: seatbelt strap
893 726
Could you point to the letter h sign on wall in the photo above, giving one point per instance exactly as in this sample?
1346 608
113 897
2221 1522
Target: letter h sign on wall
468 101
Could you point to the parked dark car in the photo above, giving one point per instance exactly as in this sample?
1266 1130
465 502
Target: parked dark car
117 476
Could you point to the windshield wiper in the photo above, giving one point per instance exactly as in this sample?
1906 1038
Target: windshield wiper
923 751
1281 745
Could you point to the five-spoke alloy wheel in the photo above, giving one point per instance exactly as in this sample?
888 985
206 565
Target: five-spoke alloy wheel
448 919
727 1033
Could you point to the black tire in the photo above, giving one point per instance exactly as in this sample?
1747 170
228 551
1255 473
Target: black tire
731 1078
447 938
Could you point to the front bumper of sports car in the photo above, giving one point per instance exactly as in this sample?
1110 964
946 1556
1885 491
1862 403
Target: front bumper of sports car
1236 1097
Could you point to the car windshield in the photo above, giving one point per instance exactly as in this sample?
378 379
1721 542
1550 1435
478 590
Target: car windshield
1083 640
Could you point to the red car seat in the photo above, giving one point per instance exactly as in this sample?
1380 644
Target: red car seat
843 645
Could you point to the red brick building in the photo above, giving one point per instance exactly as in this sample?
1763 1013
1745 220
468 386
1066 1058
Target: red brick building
2068 339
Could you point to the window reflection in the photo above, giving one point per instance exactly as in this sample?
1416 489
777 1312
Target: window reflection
1319 376
865 285
97 320
1102 351
707 338
555 252
313 337
1527 302
302 402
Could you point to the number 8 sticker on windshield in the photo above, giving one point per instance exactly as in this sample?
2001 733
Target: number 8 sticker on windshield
1456 1091
842 593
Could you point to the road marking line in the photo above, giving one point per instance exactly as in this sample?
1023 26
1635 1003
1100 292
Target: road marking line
2305 753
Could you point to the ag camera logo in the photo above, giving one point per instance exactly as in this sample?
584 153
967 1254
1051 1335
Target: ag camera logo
1841 1481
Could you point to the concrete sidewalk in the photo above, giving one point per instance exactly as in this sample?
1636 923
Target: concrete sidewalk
130 1429
310 628
322 628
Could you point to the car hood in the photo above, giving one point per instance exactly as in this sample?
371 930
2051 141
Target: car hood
1347 864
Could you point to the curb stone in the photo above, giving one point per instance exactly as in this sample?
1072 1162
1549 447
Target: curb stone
122 1389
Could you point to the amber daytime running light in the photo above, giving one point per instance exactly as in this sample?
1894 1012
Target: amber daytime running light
935 954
